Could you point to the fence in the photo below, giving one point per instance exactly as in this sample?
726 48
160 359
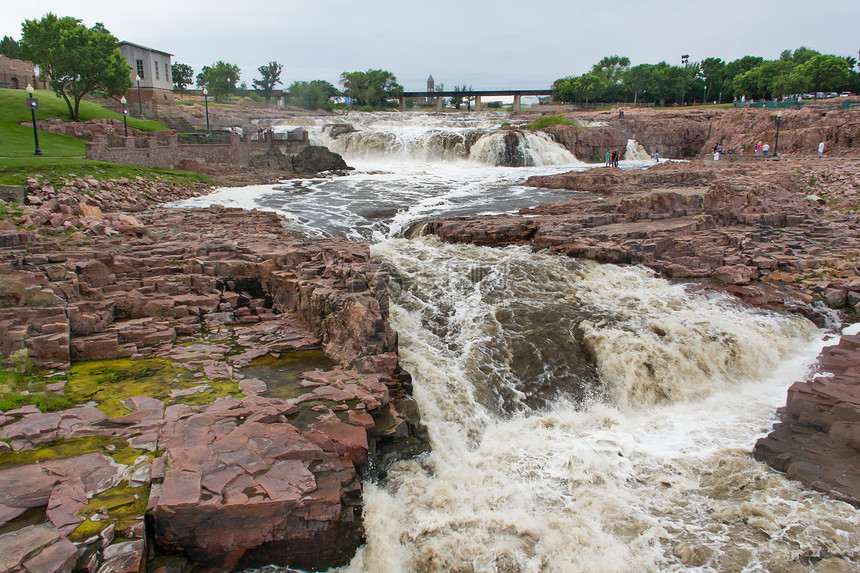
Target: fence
831 104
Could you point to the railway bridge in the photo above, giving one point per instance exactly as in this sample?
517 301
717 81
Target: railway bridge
477 94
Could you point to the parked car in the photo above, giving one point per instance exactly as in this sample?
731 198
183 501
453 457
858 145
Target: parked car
846 94
829 95
808 96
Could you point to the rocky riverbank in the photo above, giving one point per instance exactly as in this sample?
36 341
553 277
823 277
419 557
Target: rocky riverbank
695 132
781 235
149 321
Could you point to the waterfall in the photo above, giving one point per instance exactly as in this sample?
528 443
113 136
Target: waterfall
635 151
545 456
457 138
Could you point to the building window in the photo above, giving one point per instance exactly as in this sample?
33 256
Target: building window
139 64
156 69
167 72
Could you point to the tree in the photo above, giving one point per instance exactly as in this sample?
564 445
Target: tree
800 56
457 100
271 76
373 87
638 79
826 72
183 76
77 60
589 86
312 95
563 90
666 82
220 78
713 71
612 69
10 48
736 68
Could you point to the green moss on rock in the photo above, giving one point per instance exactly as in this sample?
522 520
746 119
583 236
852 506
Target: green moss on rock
110 382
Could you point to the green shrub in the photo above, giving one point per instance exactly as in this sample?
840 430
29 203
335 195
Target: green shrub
548 120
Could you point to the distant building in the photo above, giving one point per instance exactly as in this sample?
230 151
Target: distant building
16 74
156 79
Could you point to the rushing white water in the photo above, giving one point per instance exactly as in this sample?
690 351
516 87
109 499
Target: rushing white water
583 417
645 467
635 151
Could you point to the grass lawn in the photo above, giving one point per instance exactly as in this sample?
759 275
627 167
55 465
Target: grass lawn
16 140
16 171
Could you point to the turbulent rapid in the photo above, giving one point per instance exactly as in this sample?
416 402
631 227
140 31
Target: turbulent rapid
589 417
583 417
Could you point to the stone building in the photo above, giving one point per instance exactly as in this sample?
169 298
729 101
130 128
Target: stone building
156 80
16 74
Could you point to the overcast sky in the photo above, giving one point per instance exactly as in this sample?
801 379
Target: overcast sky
482 44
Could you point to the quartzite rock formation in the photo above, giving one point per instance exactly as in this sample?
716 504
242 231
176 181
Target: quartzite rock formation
242 481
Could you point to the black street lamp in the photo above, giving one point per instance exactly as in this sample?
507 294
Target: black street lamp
206 103
776 140
139 101
124 103
33 104
684 59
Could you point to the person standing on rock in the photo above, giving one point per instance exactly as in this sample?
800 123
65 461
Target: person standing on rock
820 149
742 148
758 148
764 149
608 157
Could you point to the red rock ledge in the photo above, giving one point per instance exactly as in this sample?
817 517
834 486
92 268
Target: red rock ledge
243 481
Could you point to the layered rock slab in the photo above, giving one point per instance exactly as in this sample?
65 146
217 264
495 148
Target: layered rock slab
817 441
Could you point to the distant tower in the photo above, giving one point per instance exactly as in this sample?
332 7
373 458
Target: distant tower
430 87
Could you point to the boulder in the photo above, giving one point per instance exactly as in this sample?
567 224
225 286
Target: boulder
314 159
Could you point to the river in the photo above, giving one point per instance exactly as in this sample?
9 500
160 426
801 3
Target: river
583 417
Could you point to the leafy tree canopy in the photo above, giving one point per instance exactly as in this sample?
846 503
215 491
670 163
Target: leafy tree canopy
312 95
270 77
220 78
373 87
77 60
183 76
10 48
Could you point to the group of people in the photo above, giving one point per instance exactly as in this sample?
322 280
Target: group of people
612 158
761 149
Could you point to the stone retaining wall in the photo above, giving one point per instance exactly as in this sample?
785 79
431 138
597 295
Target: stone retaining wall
166 152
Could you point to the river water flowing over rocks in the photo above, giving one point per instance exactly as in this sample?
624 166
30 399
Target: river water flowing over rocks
583 417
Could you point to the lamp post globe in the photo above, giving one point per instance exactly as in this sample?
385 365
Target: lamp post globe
33 105
139 101
206 103
684 59
124 103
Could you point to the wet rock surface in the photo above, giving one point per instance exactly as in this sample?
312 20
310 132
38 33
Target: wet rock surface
817 441
98 273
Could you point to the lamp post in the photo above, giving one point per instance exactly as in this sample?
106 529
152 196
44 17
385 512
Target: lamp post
684 59
776 140
124 103
33 104
206 103
139 102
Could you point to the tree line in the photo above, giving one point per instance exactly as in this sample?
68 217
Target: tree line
798 71
373 88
